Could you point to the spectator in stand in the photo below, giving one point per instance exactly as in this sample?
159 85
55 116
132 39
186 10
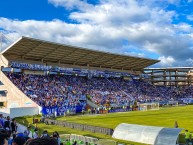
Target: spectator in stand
27 133
4 135
10 141
7 124
42 141
75 142
57 137
2 120
35 134
1 127
13 126
19 141
45 134
187 137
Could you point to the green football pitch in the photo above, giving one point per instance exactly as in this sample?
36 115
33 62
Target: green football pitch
165 117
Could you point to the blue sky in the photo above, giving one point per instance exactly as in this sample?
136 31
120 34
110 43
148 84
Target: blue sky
32 9
157 29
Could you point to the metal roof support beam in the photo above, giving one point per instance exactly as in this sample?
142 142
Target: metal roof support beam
80 58
31 49
131 67
96 59
130 61
141 66
110 60
63 57
51 52
126 63
119 62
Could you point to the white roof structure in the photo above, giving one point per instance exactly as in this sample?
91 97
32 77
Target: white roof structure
146 134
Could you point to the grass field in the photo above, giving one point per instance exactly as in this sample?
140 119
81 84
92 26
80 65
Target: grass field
165 117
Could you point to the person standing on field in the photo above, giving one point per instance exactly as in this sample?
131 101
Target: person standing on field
187 137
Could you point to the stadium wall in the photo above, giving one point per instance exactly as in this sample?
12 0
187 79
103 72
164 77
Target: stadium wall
17 112
3 61
16 102
34 72
23 111
5 111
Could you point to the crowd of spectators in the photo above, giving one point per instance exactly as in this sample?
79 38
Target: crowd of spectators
11 134
68 91
52 90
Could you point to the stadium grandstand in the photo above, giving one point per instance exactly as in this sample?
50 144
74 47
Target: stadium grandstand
61 79
28 57
176 76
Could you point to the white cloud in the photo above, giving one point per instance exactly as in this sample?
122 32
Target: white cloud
7 38
189 17
183 27
166 61
116 26
189 62
113 13
71 4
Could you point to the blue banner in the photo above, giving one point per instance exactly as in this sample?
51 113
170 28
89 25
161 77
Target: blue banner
78 109
49 110
53 110
118 110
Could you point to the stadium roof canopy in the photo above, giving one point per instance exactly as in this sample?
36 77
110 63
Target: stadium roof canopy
28 50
